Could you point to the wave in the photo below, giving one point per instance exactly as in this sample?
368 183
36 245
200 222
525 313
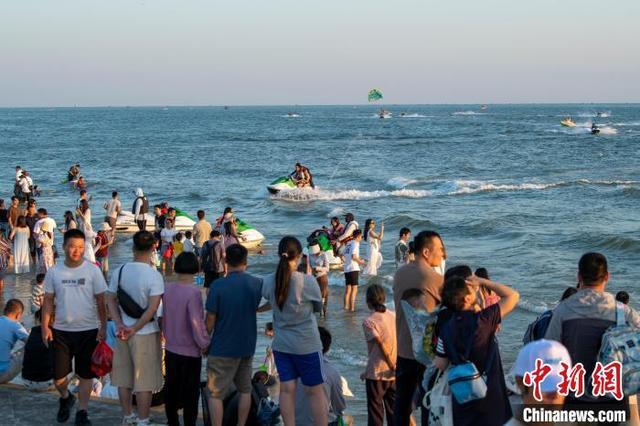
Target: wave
401 182
442 188
348 357
399 220
413 115
605 242
291 116
633 123
536 308
468 113
604 114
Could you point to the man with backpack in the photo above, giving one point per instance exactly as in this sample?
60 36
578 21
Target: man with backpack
134 294
140 209
212 256
581 321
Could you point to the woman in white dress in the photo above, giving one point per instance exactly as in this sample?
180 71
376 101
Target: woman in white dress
20 237
83 213
374 258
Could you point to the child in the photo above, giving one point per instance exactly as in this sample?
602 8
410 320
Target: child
37 293
380 334
178 246
188 243
622 297
352 263
37 367
154 260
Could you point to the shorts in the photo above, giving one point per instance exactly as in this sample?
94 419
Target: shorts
104 264
77 346
111 221
137 363
222 371
351 278
306 367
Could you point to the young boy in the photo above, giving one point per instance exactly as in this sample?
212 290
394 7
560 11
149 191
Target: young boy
37 293
188 244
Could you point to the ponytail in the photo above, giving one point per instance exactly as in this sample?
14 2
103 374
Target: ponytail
376 298
289 248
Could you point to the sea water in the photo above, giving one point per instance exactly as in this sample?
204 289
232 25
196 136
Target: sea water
508 188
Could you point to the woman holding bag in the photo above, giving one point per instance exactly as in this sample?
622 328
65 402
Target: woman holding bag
466 341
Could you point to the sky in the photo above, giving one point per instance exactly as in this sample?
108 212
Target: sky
272 52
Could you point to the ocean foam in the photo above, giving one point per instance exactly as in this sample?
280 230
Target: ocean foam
468 113
401 182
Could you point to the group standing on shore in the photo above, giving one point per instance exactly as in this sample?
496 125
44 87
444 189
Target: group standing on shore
75 309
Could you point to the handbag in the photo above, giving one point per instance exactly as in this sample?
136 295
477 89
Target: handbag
437 401
464 379
126 302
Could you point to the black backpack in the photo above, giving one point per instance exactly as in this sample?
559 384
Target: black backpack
144 209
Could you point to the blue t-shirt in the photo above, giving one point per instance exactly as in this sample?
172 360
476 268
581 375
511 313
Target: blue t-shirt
10 332
234 299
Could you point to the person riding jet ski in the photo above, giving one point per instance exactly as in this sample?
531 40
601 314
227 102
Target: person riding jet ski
595 129
302 176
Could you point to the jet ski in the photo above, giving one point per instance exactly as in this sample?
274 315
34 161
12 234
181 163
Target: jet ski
384 114
595 129
252 238
320 237
568 122
126 222
284 183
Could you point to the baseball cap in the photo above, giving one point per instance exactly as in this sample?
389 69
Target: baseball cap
551 353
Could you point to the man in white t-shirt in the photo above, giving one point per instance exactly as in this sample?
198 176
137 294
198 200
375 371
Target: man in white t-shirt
352 263
76 288
113 208
137 360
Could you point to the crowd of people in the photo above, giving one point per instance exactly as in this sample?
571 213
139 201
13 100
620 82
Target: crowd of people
160 323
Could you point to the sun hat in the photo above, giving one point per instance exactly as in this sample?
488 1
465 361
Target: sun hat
551 353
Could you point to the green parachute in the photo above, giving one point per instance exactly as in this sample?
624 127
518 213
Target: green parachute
375 95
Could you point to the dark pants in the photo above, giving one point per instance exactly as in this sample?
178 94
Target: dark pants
182 388
381 396
408 379
142 225
210 277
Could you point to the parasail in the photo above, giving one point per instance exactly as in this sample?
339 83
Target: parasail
374 95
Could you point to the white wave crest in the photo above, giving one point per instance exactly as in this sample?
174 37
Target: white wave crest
468 113
536 308
472 187
348 194
413 115
401 182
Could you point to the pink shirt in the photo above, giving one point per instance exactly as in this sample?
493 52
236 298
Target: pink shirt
383 326
183 324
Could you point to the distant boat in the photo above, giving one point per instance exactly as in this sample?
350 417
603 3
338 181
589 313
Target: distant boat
568 122
483 107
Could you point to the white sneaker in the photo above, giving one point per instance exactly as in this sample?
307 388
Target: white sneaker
130 420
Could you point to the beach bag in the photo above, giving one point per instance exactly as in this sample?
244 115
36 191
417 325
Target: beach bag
421 325
102 359
464 379
621 343
437 402
168 252
538 328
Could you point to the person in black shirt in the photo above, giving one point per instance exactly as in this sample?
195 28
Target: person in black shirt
37 365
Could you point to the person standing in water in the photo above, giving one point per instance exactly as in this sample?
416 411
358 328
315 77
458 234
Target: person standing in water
352 263
374 258
140 209
319 263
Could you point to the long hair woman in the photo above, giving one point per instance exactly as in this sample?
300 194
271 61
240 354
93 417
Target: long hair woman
374 240
295 298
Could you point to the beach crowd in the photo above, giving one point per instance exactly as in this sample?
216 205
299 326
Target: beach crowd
147 326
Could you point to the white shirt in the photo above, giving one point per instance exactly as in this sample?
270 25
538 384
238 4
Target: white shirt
187 246
140 281
112 207
167 235
18 174
24 185
40 222
75 290
351 250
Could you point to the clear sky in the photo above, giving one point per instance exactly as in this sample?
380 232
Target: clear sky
210 52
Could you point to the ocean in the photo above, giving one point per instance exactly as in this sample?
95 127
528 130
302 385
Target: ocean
508 187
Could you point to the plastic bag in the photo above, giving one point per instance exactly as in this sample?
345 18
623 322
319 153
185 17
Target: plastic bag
102 359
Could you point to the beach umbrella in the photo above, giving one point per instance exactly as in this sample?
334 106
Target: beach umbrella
374 95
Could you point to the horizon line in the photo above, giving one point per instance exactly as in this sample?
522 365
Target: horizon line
309 105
